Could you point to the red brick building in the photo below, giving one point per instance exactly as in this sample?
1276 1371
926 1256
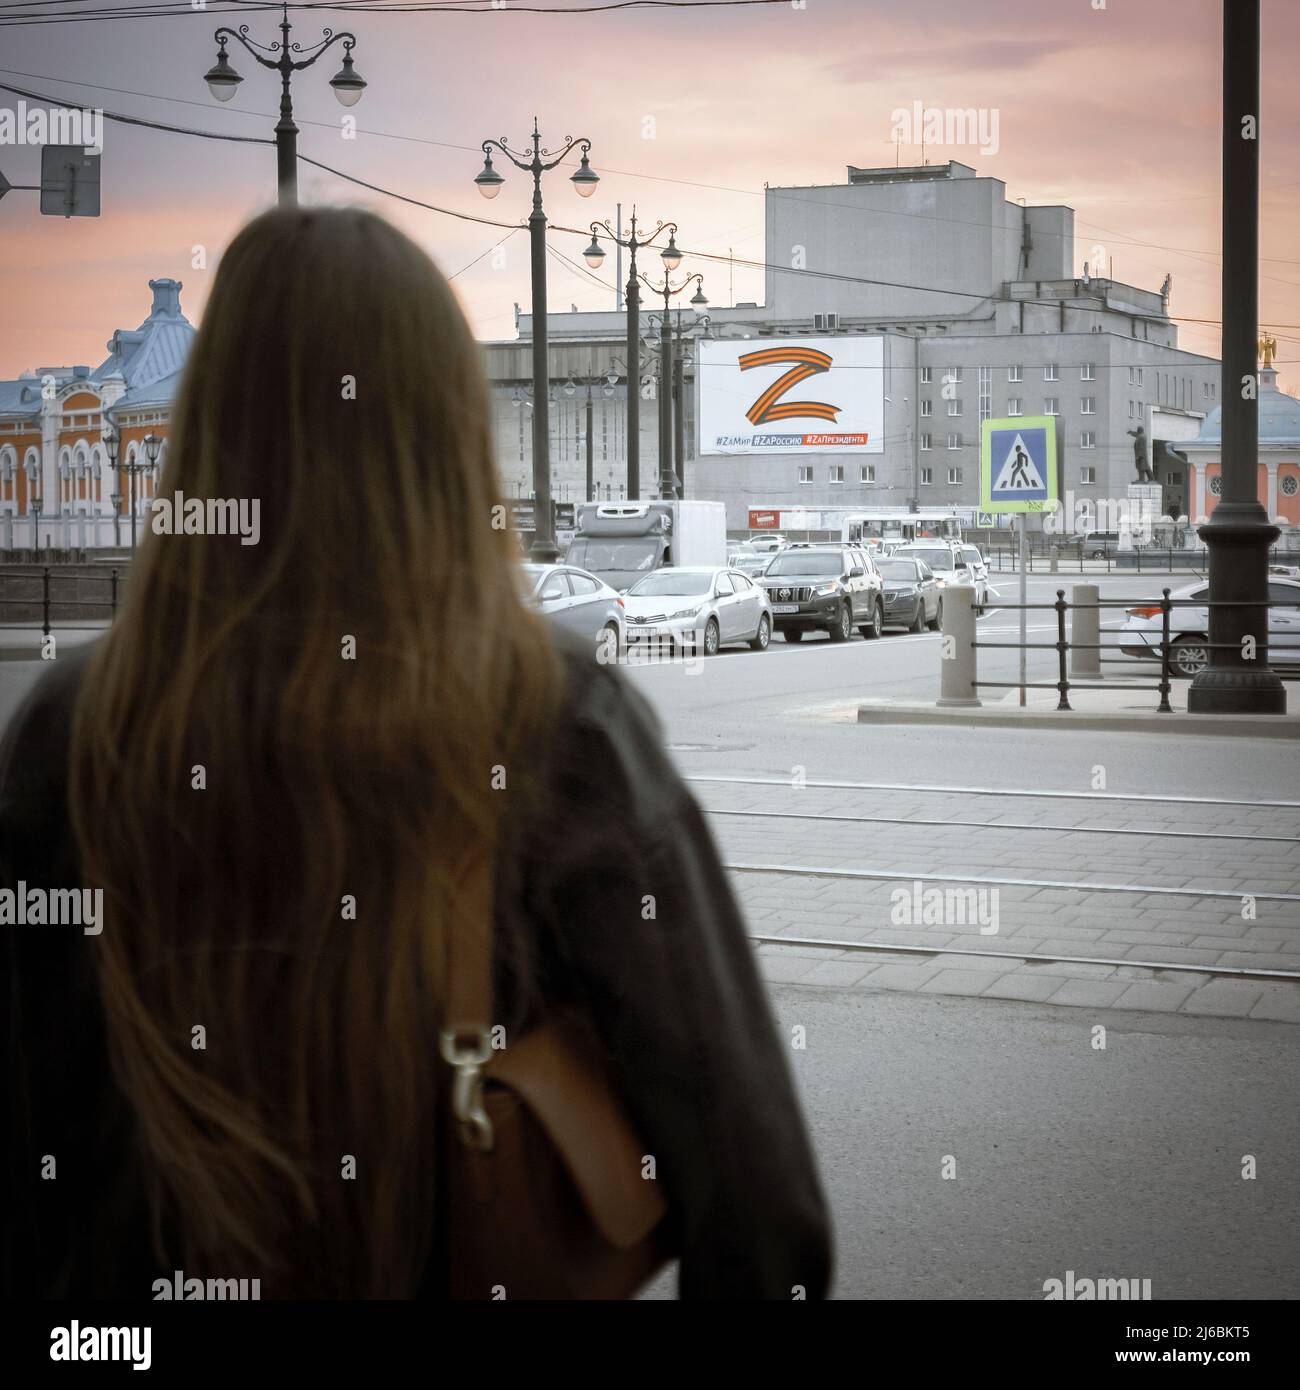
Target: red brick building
57 487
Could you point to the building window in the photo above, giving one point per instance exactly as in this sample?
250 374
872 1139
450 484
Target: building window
954 373
1130 376
837 472
954 407
1088 440
1014 406
1087 474
925 441
927 476
1216 485
926 409
1088 406
1130 410
1290 486
1088 372
1051 405
986 392
954 475
954 441
1139 382
805 473
1050 372
1016 373
926 378
868 474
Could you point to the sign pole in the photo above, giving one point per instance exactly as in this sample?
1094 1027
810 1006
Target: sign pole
1024 612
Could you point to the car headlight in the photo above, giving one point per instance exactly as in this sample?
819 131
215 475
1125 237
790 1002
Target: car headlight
823 590
685 613
905 591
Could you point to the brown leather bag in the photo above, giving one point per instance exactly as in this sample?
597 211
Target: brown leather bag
546 1196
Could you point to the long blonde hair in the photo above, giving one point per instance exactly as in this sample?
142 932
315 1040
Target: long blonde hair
283 759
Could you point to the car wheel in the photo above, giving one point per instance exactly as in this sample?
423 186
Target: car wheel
763 636
1097 555
711 636
607 645
918 623
793 634
1188 657
842 630
876 626
937 621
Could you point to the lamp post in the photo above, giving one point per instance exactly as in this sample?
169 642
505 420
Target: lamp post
489 182
112 439
116 500
1238 678
607 390
222 80
668 483
699 329
671 258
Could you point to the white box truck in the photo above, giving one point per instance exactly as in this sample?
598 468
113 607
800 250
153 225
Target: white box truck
621 541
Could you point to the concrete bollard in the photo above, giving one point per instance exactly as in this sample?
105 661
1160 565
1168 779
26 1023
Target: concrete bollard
1085 629
1056 560
957 654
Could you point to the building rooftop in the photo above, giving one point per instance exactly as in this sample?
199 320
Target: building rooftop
1279 416
148 360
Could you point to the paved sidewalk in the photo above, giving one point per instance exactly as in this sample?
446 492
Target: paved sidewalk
1247 851
1127 705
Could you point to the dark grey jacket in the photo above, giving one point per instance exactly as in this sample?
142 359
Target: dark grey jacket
677 998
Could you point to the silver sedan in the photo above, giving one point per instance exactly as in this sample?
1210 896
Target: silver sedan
573 599
698 608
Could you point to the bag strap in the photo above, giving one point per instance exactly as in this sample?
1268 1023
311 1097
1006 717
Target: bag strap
466 1041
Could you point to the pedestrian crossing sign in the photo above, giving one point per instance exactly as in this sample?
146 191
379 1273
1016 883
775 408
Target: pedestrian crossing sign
1018 464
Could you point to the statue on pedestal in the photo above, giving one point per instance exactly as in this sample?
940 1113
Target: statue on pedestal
1145 475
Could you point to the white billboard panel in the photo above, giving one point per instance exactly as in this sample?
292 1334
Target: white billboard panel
793 395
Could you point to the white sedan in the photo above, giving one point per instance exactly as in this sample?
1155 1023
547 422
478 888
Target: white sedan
697 608
950 567
1189 627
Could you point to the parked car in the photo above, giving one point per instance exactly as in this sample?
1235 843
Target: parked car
698 607
571 598
912 598
979 566
1189 626
749 561
832 588
770 541
1095 545
950 567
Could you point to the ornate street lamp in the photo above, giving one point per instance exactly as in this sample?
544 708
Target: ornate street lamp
488 183
222 80
669 483
671 258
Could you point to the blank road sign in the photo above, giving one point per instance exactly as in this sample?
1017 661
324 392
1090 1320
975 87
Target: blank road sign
69 181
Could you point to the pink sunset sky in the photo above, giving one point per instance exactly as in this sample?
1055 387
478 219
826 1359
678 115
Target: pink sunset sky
1111 108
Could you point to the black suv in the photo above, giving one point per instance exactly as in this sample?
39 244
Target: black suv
831 587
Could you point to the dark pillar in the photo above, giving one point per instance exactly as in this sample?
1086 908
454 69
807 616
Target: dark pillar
633 379
543 550
1239 533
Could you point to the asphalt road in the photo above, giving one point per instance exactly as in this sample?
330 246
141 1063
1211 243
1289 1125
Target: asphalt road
795 706
1117 1163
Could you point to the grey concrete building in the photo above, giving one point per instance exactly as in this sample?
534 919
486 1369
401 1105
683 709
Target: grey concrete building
981 314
